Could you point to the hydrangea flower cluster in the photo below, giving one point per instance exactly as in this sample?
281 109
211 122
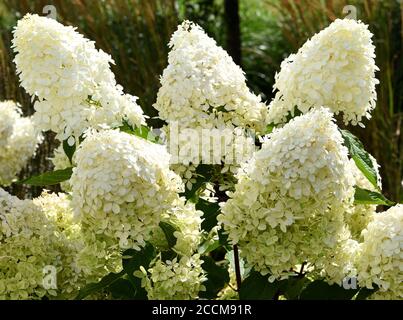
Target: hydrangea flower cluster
228 146
187 220
18 141
340 264
85 258
58 210
9 115
335 68
290 198
381 257
40 233
177 279
203 87
29 242
182 276
292 204
121 185
72 80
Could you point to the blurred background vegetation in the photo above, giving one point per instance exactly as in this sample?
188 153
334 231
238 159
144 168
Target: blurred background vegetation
259 34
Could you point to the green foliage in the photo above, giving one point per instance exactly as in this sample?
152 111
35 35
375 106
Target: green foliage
123 285
365 293
49 178
123 289
364 196
209 246
204 174
69 150
142 132
217 278
258 287
361 157
320 290
132 261
101 285
292 288
169 231
210 213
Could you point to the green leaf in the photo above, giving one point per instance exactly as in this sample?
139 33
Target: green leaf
132 261
168 255
69 150
320 290
364 196
49 178
122 289
103 284
204 174
209 246
361 157
217 278
269 128
258 287
293 286
223 239
210 213
169 231
142 132
295 112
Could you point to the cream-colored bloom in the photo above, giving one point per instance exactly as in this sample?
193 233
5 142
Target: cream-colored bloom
39 234
179 279
71 79
29 242
339 266
381 257
18 141
290 198
85 258
202 86
187 222
9 114
336 69
121 186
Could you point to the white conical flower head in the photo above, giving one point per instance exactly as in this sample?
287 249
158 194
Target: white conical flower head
381 258
18 141
335 68
202 86
121 186
9 114
290 199
71 78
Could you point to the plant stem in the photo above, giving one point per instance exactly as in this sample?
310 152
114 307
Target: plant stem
237 268
301 272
